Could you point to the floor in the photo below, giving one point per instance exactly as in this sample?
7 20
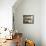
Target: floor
9 43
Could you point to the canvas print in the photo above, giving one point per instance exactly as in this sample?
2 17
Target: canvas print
28 19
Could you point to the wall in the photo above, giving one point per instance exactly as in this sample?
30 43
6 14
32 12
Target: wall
30 31
6 13
43 22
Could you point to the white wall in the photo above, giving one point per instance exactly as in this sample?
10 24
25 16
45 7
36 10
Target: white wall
6 13
31 31
43 22
32 7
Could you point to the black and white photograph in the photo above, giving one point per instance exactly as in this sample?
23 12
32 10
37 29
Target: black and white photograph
28 19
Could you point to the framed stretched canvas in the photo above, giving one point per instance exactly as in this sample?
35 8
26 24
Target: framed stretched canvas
28 19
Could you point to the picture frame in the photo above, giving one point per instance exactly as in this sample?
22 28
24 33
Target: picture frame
28 19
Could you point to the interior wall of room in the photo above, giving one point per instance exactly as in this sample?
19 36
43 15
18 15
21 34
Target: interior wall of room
43 22
30 31
6 13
